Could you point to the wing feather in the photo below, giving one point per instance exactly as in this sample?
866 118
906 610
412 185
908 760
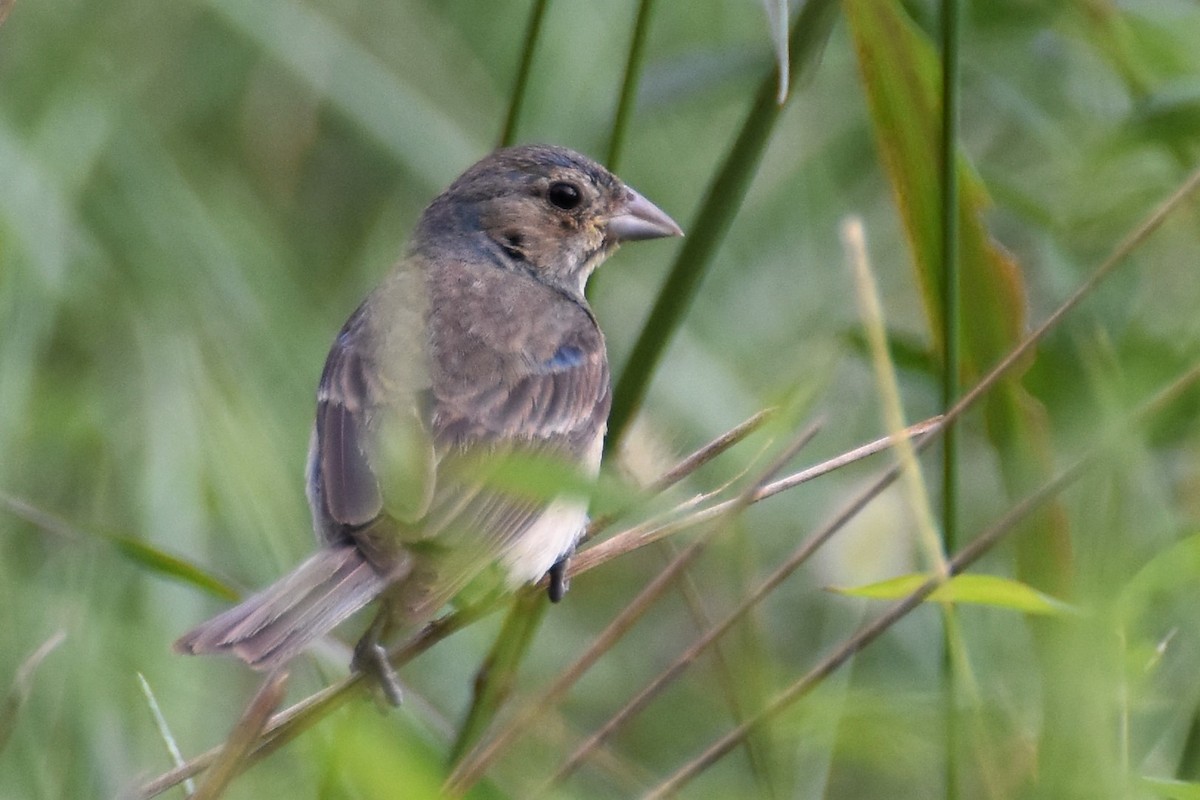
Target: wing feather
531 381
349 488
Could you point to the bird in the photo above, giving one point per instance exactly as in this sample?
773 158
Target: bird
478 350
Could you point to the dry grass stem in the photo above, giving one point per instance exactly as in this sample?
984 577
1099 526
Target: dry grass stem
653 530
865 636
686 467
164 730
727 679
21 685
854 240
710 451
242 738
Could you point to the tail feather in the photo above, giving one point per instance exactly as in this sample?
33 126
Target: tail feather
270 628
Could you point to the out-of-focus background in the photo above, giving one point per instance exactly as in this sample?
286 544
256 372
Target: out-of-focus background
194 195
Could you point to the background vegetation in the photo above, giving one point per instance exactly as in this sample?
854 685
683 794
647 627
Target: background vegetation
194 195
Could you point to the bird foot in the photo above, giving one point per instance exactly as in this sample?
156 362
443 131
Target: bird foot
559 583
370 658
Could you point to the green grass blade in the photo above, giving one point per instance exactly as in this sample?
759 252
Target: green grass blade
901 77
496 676
982 590
629 84
720 205
147 556
517 101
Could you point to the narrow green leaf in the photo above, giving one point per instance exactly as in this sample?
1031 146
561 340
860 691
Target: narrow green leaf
497 675
1169 571
167 565
984 590
1171 113
135 550
1175 790
629 84
902 78
717 210
516 102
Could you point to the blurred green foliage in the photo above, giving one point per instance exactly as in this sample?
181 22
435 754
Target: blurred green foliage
194 195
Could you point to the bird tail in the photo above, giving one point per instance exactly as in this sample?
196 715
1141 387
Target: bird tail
270 628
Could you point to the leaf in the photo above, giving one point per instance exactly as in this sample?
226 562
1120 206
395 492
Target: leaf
901 78
1171 113
1167 572
496 676
171 566
1173 789
721 202
984 590
135 550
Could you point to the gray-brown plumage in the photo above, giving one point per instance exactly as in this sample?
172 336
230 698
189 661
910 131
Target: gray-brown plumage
478 345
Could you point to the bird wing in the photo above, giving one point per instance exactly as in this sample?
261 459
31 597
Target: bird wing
519 373
348 489
541 434
371 450
515 370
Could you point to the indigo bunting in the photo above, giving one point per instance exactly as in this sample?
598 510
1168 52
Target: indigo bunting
478 344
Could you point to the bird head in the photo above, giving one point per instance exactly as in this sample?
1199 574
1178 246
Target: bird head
547 210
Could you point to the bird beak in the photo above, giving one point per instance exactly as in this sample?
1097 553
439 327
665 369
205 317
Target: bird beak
640 219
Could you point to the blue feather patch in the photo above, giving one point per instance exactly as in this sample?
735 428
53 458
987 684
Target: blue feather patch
566 357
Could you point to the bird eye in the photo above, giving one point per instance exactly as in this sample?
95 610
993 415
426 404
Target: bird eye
564 195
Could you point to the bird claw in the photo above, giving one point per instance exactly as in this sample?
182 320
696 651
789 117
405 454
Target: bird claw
559 583
370 658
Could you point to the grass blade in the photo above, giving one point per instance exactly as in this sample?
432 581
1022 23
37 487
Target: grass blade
720 205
